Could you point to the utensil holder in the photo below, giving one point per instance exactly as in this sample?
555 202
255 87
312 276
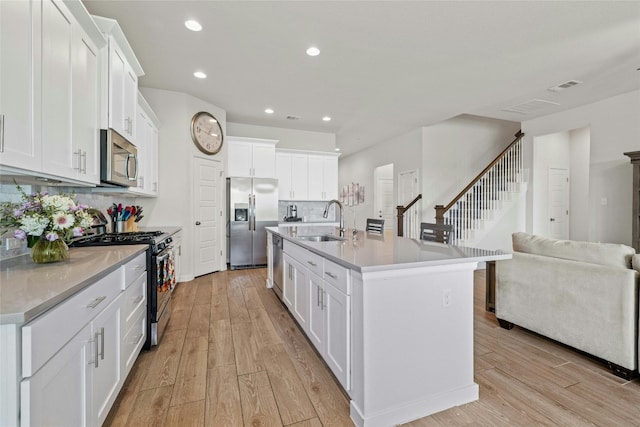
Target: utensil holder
120 227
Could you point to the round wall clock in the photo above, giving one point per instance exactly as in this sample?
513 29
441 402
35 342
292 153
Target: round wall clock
206 133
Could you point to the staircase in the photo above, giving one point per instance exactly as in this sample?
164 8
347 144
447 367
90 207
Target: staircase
486 198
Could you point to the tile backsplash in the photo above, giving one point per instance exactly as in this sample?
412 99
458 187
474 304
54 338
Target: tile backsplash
11 247
308 211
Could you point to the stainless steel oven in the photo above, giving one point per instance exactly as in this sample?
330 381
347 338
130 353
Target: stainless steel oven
164 279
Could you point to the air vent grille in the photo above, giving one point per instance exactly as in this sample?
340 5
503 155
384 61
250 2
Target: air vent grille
530 106
565 85
293 118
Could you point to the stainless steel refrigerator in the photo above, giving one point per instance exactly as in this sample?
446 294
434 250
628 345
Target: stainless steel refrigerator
253 205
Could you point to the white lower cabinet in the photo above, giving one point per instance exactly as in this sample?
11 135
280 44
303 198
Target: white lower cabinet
321 305
58 394
76 356
104 360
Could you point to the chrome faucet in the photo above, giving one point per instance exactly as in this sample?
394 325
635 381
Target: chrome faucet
326 213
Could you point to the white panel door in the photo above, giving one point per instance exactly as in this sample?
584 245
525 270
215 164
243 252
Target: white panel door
316 180
238 159
207 214
264 160
330 178
57 394
57 41
299 177
384 201
117 70
337 337
106 371
558 203
315 330
85 102
130 102
283 174
300 307
288 282
18 146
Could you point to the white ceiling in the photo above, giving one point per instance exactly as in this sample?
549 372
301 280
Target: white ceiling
385 67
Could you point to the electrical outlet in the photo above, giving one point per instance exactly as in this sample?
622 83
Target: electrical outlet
11 243
446 297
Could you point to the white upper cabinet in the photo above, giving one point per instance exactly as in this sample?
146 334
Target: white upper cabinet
147 145
18 39
249 157
325 170
307 175
49 90
122 72
292 174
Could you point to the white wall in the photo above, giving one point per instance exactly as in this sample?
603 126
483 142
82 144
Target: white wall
404 152
174 204
614 129
288 138
579 141
455 151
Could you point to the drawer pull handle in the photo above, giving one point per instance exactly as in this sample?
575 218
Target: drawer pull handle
137 300
333 276
95 302
313 264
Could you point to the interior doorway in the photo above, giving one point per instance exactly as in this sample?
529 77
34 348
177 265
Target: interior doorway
383 194
407 191
558 202
207 208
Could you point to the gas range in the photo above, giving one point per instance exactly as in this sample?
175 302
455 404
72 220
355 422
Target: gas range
157 240
161 278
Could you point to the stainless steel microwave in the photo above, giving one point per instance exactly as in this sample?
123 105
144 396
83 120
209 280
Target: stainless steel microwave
118 159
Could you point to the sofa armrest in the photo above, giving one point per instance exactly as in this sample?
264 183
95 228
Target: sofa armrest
635 262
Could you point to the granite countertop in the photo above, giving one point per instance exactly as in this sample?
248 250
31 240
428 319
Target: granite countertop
372 252
28 289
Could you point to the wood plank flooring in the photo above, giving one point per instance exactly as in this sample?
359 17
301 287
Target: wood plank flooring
233 356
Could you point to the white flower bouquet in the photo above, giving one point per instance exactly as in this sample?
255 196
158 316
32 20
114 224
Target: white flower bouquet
41 215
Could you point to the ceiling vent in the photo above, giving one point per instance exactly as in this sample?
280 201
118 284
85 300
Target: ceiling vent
293 118
530 106
565 85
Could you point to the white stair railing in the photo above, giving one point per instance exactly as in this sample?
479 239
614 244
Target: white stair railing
477 202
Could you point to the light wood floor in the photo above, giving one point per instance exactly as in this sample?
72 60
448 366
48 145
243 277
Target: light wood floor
232 356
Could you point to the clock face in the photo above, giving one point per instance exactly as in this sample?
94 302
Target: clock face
206 133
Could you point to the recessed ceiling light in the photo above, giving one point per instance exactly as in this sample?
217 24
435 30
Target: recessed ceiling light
200 75
326 119
337 149
269 110
313 51
193 25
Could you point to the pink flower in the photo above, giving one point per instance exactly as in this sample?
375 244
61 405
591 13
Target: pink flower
78 231
52 236
19 234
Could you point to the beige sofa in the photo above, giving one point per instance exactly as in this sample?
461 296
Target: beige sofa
581 294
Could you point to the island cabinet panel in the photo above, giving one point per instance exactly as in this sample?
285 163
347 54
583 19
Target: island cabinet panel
321 306
316 311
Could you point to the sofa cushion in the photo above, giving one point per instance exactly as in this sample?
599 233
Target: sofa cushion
611 254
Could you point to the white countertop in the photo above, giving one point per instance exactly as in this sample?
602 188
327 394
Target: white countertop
372 252
28 289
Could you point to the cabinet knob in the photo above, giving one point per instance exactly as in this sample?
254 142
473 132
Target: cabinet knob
197 222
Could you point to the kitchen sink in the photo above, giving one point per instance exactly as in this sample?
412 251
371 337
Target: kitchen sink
321 238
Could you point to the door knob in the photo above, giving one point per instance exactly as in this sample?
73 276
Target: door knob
552 219
197 222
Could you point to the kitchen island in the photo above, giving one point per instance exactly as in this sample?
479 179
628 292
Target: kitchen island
391 316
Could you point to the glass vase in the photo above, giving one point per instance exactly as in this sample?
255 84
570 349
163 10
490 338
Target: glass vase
45 251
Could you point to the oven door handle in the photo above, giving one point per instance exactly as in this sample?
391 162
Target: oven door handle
168 251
